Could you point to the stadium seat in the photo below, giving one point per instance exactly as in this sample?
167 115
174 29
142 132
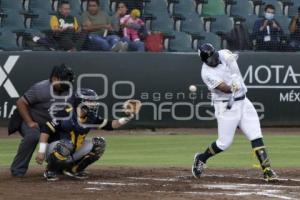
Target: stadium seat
221 24
278 7
284 22
155 6
41 21
241 8
162 23
181 42
293 9
192 24
213 7
8 41
13 21
104 4
211 38
40 5
250 21
12 5
184 7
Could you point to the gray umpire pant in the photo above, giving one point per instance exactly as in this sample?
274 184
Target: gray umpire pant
85 148
26 148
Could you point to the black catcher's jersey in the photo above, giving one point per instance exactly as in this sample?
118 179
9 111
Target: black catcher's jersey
66 125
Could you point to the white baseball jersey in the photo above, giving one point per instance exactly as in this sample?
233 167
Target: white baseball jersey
227 72
242 114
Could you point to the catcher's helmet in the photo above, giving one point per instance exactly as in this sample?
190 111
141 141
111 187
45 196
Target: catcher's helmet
87 100
209 55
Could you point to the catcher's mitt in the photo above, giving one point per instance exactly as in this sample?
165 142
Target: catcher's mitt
132 107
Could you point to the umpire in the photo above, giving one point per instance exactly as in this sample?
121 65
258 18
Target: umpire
33 111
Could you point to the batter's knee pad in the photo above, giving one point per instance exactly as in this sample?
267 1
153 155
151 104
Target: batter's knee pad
61 157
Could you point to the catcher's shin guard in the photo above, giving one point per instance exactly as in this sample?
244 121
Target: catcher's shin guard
99 145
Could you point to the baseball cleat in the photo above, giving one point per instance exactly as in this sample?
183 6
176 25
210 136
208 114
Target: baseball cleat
198 166
270 175
50 176
78 175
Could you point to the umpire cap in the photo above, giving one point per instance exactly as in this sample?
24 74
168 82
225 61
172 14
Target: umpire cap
63 73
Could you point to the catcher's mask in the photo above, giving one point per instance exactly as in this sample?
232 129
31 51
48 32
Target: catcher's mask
209 55
86 99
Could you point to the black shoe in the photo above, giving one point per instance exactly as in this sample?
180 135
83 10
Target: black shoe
78 175
50 176
270 175
198 166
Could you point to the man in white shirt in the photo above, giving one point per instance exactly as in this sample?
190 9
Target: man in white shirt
221 74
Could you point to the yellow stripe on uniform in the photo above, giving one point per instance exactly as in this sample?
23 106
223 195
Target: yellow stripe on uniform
211 150
69 109
73 137
50 126
80 140
58 156
259 148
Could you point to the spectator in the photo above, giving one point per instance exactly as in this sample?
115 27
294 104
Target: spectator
133 20
66 30
295 31
267 31
116 20
98 24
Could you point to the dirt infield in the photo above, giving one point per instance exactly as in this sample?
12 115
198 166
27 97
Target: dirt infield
152 183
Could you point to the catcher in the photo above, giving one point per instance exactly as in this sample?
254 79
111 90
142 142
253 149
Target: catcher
70 152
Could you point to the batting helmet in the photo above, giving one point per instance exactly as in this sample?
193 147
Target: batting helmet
87 100
209 55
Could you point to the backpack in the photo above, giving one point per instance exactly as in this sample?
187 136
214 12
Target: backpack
154 42
238 38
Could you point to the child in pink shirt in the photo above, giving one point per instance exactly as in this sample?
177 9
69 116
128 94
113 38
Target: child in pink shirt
129 20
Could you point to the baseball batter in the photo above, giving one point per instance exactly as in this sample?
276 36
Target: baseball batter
221 74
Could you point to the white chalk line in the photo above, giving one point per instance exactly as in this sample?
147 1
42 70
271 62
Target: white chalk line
155 179
243 185
115 183
232 194
242 189
93 188
251 178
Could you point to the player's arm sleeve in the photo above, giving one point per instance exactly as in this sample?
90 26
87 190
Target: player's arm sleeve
212 81
104 124
49 128
32 96
54 24
76 26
